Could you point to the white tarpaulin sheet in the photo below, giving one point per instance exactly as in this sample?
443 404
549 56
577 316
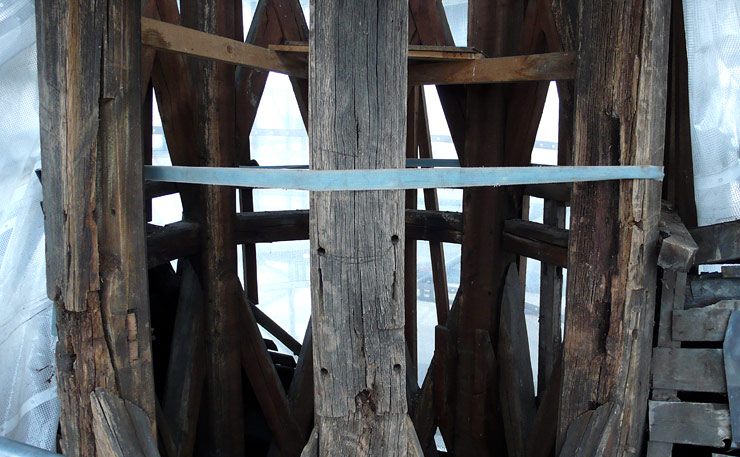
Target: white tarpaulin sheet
29 409
713 48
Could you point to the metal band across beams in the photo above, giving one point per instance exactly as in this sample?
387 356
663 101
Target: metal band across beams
394 179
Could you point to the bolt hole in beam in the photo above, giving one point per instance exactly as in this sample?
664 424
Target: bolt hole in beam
396 178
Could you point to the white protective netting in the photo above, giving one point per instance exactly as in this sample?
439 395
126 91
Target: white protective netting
29 409
713 48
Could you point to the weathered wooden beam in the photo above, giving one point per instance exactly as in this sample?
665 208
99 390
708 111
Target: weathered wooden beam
173 241
431 203
534 67
691 370
263 378
186 368
410 249
417 52
358 80
703 324
707 289
215 137
619 118
515 372
183 40
701 424
93 203
554 192
496 30
718 243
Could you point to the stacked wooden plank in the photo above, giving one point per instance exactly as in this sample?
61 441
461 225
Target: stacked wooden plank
688 360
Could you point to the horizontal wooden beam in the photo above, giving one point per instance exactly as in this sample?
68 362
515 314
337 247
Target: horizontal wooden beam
530 239
416 52
536 67
691 370
718 243
174 38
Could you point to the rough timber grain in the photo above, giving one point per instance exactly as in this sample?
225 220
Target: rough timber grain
90 98
215 136
678 249
619 118
690 370
358 83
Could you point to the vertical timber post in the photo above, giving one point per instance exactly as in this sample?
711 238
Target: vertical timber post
357 105
619 119
91 150
216 137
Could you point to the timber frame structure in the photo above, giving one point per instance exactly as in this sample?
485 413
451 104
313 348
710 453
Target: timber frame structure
209 384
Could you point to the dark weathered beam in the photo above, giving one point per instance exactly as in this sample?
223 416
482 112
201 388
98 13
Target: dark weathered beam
718 243
91 151
534 67
619 118
215 116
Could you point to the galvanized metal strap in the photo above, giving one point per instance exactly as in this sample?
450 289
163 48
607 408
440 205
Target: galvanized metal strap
394 179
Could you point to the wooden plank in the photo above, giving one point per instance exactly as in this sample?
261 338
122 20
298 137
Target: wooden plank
515 373
658 449
719 243
186 367
587 434
678 249
701 424
121 428
703 324
182 40
534 67
416 52
357 238
619 118
707 289
215 137
731 271
692 370
275 330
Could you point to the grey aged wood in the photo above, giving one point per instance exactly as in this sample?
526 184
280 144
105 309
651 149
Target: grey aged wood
703 324
702 424
357 71
658 449
707 289
619 118
121 428
693 370
718 243
678 249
